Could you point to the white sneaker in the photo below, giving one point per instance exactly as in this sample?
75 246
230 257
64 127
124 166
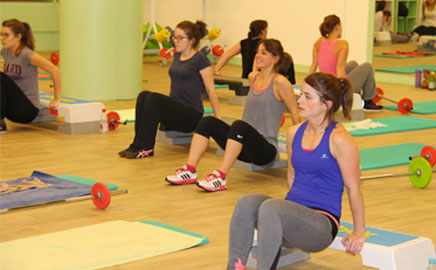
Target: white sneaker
213 182
182 176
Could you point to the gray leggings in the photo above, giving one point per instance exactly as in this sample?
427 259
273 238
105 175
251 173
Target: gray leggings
278 222
362 78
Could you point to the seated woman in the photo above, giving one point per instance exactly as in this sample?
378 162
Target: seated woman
381 18
322 159
428 26
330 54
190 74
247 48
252 139
19 79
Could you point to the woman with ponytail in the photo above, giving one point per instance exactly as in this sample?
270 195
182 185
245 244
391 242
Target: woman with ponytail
322 159
19 79
191 75
330 54
252 139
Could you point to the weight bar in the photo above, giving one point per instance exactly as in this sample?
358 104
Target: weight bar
100 195
420 173
429 153
404 106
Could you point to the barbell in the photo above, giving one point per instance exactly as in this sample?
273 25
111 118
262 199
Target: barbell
420 173
113 120
429 153
405 105
100 195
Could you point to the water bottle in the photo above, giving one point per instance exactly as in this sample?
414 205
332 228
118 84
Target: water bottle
431 264
104 127
431 84
418 76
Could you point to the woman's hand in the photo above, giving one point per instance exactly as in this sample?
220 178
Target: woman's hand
353 243
53 105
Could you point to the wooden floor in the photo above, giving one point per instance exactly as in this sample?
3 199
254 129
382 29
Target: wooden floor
392 204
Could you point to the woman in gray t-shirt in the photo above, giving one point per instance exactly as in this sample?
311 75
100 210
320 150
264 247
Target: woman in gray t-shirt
19 79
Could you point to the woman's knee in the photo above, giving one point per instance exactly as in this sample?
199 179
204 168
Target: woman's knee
205 125
237 130
250 203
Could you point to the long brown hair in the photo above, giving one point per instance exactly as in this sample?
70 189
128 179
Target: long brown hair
337 90
275 48
23 28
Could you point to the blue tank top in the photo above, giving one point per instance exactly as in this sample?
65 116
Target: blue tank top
318 179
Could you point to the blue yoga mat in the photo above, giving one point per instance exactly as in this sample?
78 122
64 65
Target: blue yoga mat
397 124
426 107
406 69
60 189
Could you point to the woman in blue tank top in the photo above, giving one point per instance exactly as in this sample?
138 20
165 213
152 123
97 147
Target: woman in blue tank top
252 139
322 159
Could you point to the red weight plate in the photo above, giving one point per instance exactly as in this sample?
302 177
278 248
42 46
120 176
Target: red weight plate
283 120
54 57
102 195
379 95
165 53
405 105
112 120
429 153
217 50
54 112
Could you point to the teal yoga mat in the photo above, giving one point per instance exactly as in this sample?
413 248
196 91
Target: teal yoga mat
402 56
406 69
85 181
426 107
388 156
397 124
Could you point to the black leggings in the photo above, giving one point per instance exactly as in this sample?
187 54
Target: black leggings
14 104
425 30
154 108
255 148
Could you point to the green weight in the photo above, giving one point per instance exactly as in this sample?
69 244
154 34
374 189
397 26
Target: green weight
421 172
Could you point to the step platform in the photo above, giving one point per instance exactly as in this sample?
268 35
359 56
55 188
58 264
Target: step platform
79 116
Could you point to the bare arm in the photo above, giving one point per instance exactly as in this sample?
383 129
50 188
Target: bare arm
385 19
342 59
347 154
236 49
284 91
315 50
290 138
207 76
40 62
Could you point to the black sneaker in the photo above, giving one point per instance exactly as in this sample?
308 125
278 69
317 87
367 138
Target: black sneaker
3 127
371 106
125 151
139 153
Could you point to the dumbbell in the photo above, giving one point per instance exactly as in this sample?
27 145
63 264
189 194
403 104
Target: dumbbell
54 58
162 35
166 53
429 153
217 50
404 106
214 33
113 120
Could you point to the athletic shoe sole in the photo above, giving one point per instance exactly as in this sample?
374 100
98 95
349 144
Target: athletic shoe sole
372 110
178 183
212 189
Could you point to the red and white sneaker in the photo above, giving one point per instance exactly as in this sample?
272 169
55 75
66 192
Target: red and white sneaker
182 176
213 182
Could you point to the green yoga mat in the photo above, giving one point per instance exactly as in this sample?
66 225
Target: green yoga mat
396 124
84 181
406 69
97 246
388 156
426 107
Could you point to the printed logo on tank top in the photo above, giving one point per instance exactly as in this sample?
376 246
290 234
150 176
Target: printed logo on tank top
13 71
324 156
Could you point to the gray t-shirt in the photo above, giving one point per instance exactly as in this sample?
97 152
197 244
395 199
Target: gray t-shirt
186 82
23 73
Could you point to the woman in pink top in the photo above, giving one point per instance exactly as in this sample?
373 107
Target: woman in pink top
330 55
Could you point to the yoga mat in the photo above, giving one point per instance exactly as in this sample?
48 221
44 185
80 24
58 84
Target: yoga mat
218 86
388 156
426 107
85 181
60 190
396 124
406 69
405 55
96 246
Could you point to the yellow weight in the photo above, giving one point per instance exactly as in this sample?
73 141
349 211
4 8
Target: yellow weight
214 33
162 35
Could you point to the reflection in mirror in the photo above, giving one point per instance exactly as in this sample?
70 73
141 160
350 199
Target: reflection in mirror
394 22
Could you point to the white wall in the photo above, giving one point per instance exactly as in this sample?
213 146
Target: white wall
294 22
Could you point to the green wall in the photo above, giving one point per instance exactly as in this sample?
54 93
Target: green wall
42 17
